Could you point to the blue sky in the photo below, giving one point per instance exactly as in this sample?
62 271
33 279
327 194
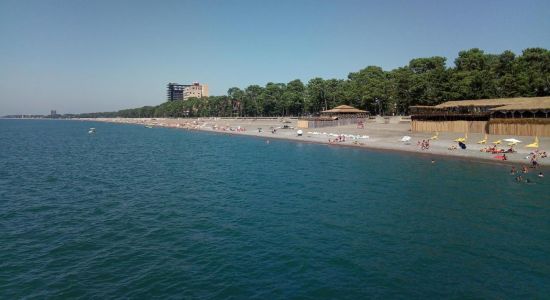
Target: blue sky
85 56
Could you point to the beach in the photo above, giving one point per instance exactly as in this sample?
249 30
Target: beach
375 134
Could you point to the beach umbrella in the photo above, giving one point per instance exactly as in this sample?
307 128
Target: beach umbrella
497 142
405 138
436 136
299 132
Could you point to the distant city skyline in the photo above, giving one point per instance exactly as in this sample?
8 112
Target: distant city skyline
90 56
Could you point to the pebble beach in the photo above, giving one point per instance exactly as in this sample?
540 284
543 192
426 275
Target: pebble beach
375 134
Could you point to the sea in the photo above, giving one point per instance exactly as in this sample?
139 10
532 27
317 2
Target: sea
137 213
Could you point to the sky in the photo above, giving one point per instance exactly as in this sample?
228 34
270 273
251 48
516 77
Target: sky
78 56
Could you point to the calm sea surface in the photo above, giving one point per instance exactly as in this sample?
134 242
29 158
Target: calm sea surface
132 212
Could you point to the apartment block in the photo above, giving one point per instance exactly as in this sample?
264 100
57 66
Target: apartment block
183 92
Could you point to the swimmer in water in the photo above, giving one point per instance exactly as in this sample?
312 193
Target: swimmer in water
541 175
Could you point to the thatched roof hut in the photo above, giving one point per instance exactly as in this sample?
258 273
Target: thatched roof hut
502 103
344 109
508 116
528 104
484 106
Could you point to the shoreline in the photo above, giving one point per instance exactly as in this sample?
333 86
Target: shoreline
382 137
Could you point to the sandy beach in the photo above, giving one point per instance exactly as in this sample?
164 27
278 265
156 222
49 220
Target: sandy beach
375 135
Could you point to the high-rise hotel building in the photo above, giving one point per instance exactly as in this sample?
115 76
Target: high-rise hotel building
175 91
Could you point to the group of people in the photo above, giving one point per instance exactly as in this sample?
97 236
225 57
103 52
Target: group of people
337 139
494 150
534 156
424 145
520 177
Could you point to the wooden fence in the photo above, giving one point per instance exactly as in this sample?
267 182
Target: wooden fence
318 123
526 127
449 126
513 127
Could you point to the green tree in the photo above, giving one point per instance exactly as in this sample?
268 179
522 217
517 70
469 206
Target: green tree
316 97
253 106
293 98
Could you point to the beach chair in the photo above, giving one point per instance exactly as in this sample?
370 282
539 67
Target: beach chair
534 144
462 139
483 141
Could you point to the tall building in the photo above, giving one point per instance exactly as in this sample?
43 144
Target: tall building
174 91
183 92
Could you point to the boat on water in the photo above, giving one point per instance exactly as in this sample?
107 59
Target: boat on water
91 131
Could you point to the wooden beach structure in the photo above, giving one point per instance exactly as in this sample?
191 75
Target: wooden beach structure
338 116
507 116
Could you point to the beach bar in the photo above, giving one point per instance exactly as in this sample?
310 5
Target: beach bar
507 116
338 116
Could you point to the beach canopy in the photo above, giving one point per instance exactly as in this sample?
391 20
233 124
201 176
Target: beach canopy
512 140
346 109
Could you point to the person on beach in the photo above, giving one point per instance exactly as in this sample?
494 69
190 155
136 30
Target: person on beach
504 157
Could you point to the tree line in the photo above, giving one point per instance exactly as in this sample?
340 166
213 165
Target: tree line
424 81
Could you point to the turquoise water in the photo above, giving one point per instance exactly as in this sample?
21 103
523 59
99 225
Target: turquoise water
132 212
